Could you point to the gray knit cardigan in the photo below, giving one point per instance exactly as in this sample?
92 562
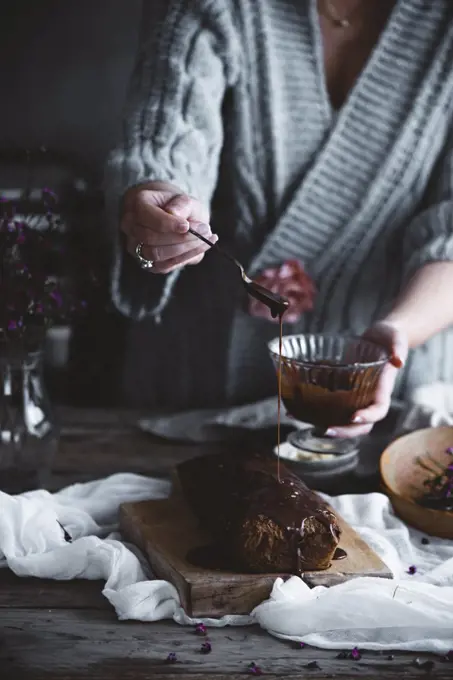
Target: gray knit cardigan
228 101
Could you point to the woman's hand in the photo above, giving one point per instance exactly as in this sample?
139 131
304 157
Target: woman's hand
394 339
158 215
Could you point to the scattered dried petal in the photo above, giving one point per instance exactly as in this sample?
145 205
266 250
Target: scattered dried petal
342 655
449 655
412 570
254 669
425 541
355 654
200 629
206 648
171 658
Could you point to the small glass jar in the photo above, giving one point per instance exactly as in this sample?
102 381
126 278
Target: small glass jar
28 433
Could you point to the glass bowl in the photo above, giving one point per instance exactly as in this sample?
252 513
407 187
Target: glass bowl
325 379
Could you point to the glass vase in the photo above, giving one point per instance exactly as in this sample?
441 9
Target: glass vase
28 433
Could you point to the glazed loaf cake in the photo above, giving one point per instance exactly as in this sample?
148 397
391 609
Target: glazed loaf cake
262 523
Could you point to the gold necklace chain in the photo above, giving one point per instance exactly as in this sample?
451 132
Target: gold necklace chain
331 13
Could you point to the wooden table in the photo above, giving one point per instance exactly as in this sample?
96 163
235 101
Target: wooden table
67 630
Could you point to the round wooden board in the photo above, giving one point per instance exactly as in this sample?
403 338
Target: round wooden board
403 477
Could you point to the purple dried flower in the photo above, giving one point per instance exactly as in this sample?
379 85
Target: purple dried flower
412 570
450 450
206 648
171 658
31 271
200 629
355 654
449 655
50 193
254 669
301 645
57 297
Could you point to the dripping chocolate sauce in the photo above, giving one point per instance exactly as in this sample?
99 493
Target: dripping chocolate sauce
287 500
279 406
277 305
284 501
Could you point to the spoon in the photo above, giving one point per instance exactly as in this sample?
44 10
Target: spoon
276 303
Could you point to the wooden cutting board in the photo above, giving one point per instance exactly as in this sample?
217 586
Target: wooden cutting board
166 530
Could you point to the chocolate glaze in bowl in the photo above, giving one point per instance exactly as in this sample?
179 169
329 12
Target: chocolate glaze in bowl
327 378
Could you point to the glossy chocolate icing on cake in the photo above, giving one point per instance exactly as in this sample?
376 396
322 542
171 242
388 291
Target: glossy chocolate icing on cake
258 522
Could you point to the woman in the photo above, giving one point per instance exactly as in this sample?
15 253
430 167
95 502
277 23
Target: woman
320 131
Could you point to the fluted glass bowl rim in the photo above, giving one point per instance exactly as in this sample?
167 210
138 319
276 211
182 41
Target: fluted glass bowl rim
273 346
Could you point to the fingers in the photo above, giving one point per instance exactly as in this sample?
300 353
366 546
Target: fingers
186 207
156 239
373 414
400 351
173 215
151 217
159 219
349 431
362 422
191 257
162 253
394 340
171 257
391 337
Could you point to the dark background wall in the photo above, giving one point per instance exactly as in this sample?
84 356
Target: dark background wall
64 70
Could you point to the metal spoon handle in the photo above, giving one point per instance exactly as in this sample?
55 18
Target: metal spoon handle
276 303
218 248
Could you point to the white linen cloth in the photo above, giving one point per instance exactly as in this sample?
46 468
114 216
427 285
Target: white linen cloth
410 612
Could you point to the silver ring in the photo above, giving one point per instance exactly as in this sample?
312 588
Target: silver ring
143 262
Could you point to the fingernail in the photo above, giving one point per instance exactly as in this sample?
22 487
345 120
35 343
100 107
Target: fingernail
182 227
215 238
396 361
331 432
357 420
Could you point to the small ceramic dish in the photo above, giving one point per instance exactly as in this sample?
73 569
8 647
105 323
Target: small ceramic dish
318 470
405 465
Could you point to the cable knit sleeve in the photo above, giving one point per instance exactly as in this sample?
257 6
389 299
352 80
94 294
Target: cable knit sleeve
429 237
173 128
